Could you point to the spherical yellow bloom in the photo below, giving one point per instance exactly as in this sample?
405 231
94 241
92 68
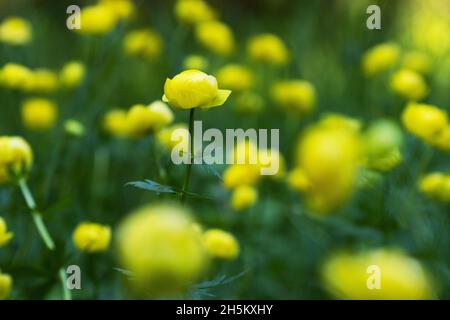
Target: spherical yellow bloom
195 61
115 122
340 122
221 244
347 276
417 61
243 197
436 185
442 140
192 89
409 84
16 158
216 37
42 80
193 11
5 236
160 247
74 128
164 137
144 119
249 102
268 48
380 58
235 77
15 31
72 74
123 9
427 122
298 180
329 157
295 96
143 43
91 237
39 114
15 76
240 174
97 19
6 283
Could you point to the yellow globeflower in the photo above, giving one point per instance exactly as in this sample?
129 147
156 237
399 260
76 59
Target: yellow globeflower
195 61
248 102
221 244
298 180
164 137
192 89
436 185
235 77
91 237
72 74
16 158
295 96
145 119
268 48
97 19
427 122
15 76
39 114
123 9
115 122
42 80
5 236
243 197
241 174
143 43
216 37
417 61
380 58
193 11
376 274
409 84
162 248
6 283
15 31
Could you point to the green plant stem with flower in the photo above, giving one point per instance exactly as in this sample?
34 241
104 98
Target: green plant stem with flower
191 156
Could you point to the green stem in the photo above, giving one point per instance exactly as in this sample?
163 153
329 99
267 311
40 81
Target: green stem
191 156
37 217
63 278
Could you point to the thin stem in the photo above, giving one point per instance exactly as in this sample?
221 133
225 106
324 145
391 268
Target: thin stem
191 156
37 217
67 295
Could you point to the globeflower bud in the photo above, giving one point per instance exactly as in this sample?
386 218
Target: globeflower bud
193 11
39 114
221 244
243 197
115 123
91 237
16 158
97 19
6 283
235 77
268 48
145 119
241 174
409 84
194 61
216 37
15 31
5 236
294 96
72 74
380 58
143 43
15 76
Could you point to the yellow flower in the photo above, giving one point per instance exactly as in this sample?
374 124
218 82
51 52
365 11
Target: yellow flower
42 80
6 283
123 9
268 48
144 119
427 122
409 84
248 102
380 58
91 237
193 11
271 161
329 157
162 249
39 114
341 122
115 123
216 37
235 77
16 158
72 74
243 197
221 244
15 31
195 61
143 43
417 61
294 96
164 137
74 128
436 185
193 89
348 276
298 180
15 76
240 174
97 19
5 236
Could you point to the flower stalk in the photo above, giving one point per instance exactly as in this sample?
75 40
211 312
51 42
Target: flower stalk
191 156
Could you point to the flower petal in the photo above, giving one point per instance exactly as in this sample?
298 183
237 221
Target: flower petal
222 96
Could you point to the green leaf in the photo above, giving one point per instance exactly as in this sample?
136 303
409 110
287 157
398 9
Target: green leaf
152 186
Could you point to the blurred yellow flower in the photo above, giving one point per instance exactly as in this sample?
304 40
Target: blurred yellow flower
409 84
42 80
193 11
192 89
248 102
235 77
72 74
348 276
298 180
417 61
380 58
271 160
74 128
294 96
16 158
339 121
216 37
15 31
195 61
240 174
91 237
146 119
115 122
5 236
15 76
123 9
143 43
243 197
39 114
162 249
6 283
97 19
221 244
164 137
268 48
436 185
